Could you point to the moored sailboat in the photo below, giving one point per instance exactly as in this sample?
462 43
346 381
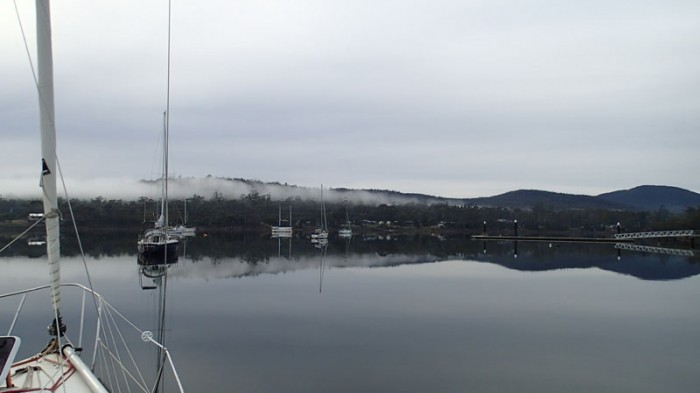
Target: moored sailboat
160 242
321 232
281 230
182 231
345 230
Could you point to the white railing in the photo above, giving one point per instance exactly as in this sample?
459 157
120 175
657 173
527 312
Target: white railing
111 354
655 234
655 250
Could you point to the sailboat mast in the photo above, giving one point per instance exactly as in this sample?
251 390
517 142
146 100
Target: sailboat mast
48 147
323 210
164 176
167 122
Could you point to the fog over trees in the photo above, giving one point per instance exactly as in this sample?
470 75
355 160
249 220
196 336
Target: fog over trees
256 212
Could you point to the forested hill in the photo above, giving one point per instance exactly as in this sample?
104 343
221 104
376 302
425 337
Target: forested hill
534 210
528 199
642 198
654 197
649 198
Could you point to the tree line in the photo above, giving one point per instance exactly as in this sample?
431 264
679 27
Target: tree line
256 212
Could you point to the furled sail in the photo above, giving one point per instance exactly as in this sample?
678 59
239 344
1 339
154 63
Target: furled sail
48 148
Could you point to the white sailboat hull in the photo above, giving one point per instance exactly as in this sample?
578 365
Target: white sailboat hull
319 235
283 231
182 231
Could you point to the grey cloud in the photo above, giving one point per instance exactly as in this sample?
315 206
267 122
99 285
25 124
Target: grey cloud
440 97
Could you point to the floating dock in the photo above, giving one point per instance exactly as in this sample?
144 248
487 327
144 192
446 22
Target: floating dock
560 239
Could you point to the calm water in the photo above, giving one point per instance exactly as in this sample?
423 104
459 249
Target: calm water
407 315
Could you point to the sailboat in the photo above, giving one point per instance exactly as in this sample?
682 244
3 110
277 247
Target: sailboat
345 230
182 231
59 366
321 233
279 230
158 243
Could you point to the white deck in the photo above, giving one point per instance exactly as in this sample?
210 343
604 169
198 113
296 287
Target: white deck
50 373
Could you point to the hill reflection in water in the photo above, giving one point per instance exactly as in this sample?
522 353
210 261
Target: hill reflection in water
236 256
221 256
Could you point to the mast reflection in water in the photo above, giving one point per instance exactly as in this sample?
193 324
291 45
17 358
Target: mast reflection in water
153 276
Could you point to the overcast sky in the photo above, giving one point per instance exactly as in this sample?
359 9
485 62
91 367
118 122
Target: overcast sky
456 98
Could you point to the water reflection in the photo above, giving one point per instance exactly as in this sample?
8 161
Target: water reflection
322 246
656 250
643 262
153 276
409 314
287 239
152 273
224 256
263 256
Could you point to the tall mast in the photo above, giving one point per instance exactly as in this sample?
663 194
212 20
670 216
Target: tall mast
167 119
164 174
323 211
48 147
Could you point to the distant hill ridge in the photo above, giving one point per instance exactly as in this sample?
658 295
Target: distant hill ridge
654 197
646 197
527 199
639 198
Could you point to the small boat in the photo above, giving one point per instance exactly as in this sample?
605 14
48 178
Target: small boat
345 230
182 231
281 234
282 231
321 232
37 241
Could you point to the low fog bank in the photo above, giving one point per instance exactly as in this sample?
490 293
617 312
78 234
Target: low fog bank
209 188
